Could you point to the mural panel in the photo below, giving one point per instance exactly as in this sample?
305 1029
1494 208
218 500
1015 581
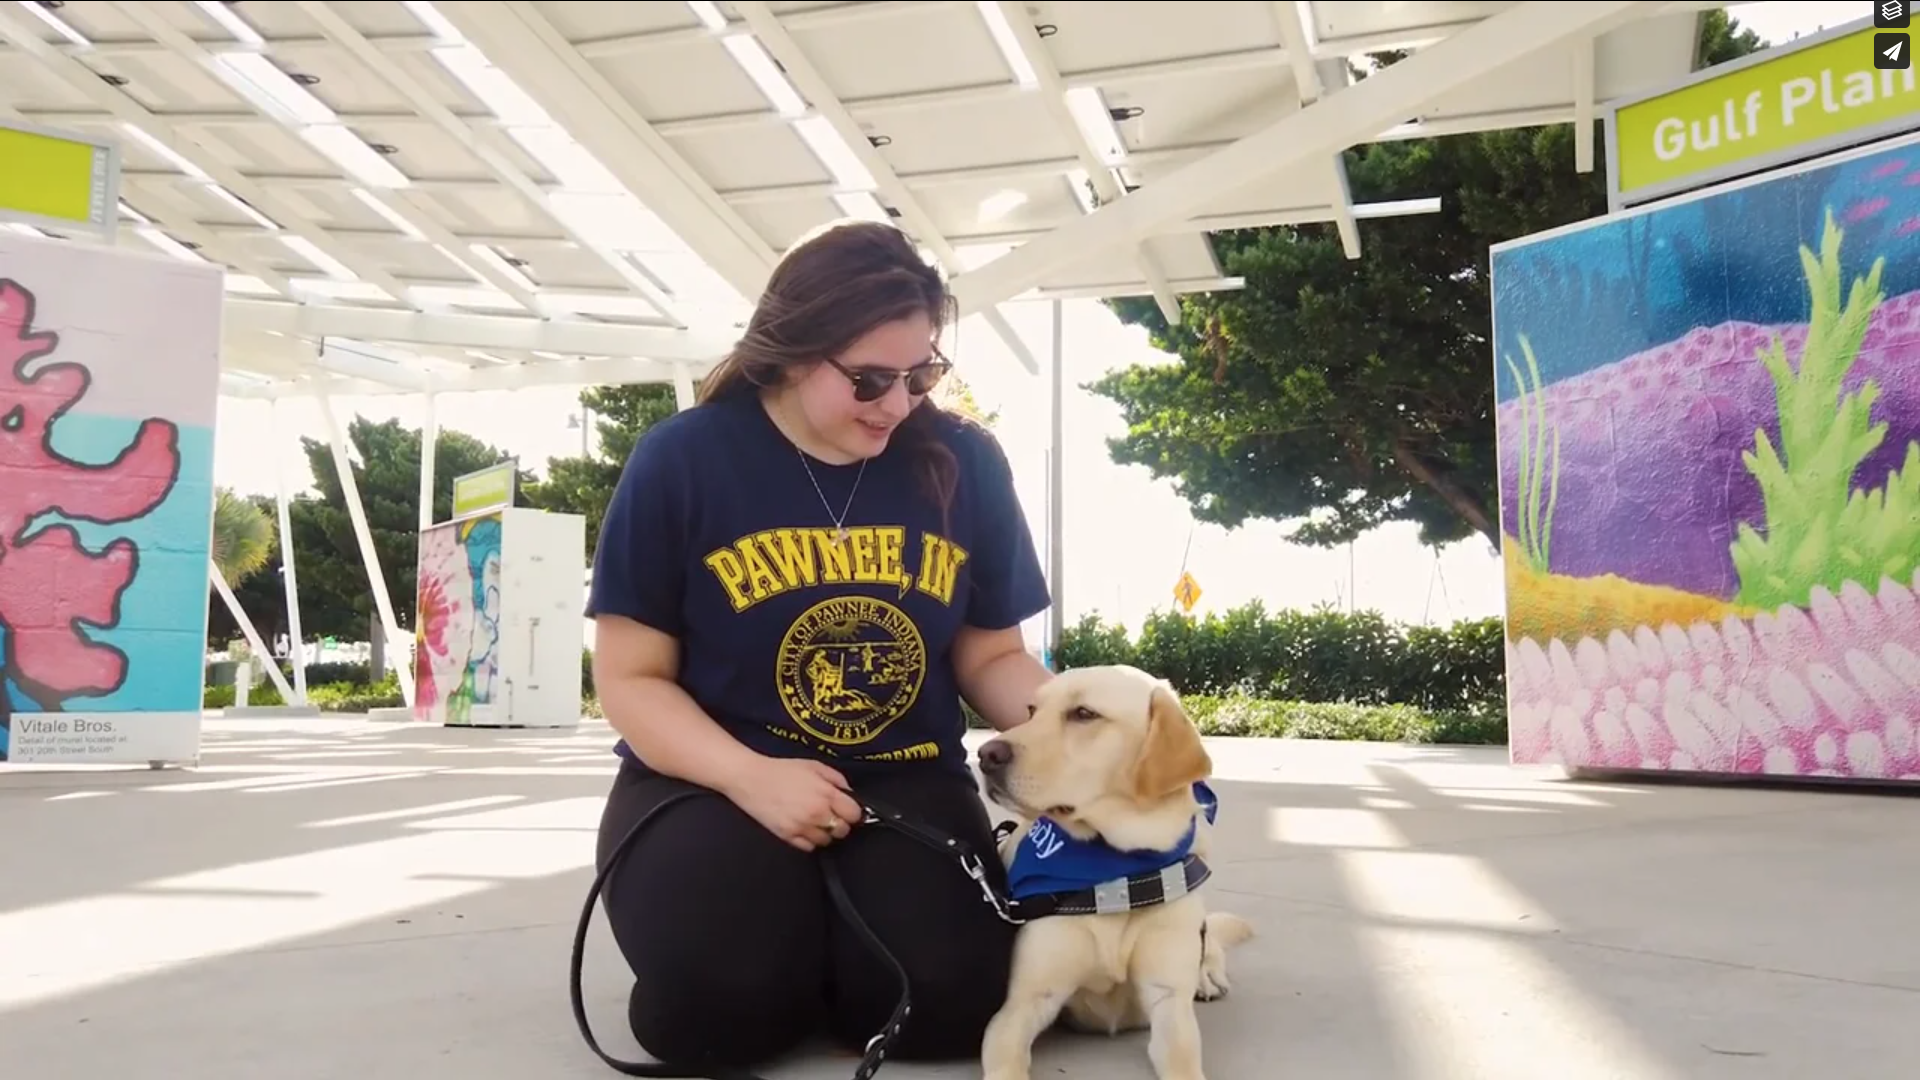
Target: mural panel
1709 432
458 623
109 369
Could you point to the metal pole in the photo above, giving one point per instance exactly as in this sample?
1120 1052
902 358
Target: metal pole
429 443
1056 493
363 532
297 644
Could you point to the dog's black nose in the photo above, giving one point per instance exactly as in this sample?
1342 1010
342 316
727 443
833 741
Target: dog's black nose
995 756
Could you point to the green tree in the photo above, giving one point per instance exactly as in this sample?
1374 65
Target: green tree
1345 394
260 593
243 537
334 597
583 485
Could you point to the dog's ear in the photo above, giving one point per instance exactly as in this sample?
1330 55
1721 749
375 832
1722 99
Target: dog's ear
1172 757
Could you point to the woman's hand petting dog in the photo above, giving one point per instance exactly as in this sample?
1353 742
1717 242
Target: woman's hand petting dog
802 802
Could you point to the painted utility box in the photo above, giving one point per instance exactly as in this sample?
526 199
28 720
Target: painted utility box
1709 447
109 388
499 635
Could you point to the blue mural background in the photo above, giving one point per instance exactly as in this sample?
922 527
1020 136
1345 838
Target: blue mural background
1592 297
161 628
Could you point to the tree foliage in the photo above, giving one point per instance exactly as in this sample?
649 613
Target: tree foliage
335 600
1341 394
244 536
583 485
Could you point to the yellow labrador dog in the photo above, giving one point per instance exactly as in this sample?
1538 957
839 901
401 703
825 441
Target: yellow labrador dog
1114 818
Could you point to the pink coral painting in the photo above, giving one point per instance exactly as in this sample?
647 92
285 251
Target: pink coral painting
52 588
1709 449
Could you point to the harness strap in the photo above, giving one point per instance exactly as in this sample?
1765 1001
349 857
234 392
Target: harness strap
876 1049
1122 894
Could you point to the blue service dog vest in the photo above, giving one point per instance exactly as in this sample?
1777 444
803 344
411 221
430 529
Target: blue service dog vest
1051 862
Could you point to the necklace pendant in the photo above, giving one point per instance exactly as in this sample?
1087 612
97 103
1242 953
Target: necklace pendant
840 536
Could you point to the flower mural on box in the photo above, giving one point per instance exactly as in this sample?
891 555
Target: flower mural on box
457 621
1726 581
52 588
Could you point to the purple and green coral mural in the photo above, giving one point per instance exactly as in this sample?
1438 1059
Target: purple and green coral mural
1709 431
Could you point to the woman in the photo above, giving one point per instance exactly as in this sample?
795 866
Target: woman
797 582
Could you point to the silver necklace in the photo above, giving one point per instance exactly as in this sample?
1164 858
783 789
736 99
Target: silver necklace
839 520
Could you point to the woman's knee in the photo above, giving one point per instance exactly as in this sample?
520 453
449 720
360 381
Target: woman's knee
723 1016
951 1009
723 926
957 952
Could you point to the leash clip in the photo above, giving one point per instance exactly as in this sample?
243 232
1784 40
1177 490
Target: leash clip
977 870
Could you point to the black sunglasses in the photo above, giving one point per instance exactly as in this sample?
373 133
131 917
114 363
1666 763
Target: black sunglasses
872 384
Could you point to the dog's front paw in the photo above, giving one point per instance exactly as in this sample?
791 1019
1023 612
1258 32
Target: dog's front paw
1214 983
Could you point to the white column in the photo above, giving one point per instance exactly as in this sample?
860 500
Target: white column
682 387
1056 490
296 642
239 614
429 439
357 511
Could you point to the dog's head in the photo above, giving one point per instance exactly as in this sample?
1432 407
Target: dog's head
1104 748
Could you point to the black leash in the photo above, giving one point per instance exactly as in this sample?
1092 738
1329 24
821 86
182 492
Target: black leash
876 1048
1137 891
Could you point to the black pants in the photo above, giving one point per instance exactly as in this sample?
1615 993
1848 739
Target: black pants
738 954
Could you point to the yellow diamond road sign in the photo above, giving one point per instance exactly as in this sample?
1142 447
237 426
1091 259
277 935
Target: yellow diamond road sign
1187 592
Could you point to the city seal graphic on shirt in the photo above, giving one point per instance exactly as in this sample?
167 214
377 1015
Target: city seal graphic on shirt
849 667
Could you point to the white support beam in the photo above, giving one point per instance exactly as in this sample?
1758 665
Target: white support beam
1056 489
369 555
567 337
1311 82
683 395
25 36
289 579
252 635
1583 105
429 444
422 100
1053 94
807 79
358 364
1378 103
155 23
1108 290
173 216
521 42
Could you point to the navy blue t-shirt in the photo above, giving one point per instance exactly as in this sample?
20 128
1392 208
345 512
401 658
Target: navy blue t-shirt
796 641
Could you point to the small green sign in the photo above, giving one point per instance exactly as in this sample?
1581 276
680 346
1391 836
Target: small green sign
1816 95
58 179
491 488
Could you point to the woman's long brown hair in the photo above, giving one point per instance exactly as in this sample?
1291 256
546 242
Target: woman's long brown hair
827 293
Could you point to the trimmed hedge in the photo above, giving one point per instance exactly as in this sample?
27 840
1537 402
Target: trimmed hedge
1320 674
1322 655
1235 715
1240 715
342 696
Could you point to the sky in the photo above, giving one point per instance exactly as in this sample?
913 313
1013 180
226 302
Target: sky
1127 537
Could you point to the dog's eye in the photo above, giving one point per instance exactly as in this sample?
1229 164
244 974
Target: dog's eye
1030 711
1081 712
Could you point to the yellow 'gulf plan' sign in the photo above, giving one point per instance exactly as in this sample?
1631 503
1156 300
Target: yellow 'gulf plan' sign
1788 103
58 179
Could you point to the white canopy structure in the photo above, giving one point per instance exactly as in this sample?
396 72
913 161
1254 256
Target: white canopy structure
416 197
